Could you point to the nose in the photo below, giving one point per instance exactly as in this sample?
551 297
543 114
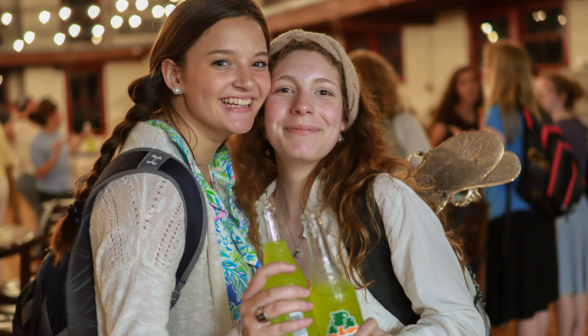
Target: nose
302 104
244 80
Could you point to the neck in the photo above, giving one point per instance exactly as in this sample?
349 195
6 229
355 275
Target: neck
203 141
291 181
561 114
465 107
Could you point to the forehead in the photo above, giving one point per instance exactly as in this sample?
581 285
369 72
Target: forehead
306 65
238 34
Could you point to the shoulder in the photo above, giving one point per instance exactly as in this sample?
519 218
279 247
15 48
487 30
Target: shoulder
390 191
145 135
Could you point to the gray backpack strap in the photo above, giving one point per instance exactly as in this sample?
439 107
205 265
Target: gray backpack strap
80 300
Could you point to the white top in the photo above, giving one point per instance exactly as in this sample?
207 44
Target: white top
6 156
410 134
423 261
24 133
137 231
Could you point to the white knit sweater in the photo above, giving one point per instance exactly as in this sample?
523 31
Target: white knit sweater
137 232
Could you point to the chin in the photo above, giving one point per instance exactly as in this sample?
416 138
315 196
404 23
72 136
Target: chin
240 127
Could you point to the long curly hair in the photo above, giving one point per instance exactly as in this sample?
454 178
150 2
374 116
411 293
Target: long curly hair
353 162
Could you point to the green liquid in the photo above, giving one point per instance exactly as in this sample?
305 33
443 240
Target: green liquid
278 251
336 309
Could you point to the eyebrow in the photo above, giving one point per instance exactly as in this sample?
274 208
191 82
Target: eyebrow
316 80
232 52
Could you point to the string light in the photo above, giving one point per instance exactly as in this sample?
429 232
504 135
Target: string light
44 17
135 21
18 45
487 28
116 21
96 40
64 13
562 20
59 38
169 8
29 37
493 37
122 5
98 30
93 11
74 30
158 11
141 4
6 18
539 16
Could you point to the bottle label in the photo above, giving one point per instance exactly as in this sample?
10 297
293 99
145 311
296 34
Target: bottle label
342 324
298 316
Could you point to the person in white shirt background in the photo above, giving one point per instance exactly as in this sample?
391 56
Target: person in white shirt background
313 146
7 163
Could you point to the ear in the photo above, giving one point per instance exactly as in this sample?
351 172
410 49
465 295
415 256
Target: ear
342 126
172 75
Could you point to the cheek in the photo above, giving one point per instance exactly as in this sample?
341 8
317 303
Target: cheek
275 109
264 84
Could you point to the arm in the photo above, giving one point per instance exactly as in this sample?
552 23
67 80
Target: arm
425 264
138 235
42 169
438 133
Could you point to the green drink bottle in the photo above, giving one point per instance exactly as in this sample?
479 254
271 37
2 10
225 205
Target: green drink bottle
336 309
275 249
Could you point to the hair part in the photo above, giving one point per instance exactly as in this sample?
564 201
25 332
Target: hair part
511 85
151 96
350 166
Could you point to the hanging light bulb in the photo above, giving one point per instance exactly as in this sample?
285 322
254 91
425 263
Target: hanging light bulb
96 40
135 21
98 30
18 45
493 37
59 38
93 11
74 30
116 21
174 0
487 28
169 8
122 5
64 13
44 17
6 18
29 37
158 11
1 79
141 4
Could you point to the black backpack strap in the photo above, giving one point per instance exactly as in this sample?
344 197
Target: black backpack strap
80 300
378 268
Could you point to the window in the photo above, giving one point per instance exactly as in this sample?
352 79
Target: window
386 43
85 99
539 26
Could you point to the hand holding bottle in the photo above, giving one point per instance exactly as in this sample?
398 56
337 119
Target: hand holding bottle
371 328
274 302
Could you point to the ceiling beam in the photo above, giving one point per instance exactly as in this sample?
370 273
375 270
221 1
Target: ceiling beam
9 60
328 10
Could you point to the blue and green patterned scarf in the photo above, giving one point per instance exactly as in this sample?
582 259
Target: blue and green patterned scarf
238 257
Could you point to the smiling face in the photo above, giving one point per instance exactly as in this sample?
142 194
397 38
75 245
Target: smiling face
225 78
304 110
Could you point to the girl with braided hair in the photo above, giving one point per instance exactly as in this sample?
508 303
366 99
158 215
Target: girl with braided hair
208 79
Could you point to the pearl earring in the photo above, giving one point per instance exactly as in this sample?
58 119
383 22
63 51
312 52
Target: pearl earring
177 90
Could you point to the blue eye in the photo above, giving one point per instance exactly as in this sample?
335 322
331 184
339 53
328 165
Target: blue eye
220 63
260 64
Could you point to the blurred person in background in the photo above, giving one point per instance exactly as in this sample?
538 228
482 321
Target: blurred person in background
24 133
522 260
558 95
458 112
50 154
460 106
7 162
403 131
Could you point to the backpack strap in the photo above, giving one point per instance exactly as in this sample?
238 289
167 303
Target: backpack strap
80 300
378 268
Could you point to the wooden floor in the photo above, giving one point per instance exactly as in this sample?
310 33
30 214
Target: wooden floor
10 266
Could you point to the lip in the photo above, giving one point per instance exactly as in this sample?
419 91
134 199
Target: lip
302 129
244 109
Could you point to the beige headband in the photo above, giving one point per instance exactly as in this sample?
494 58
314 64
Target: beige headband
336 50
